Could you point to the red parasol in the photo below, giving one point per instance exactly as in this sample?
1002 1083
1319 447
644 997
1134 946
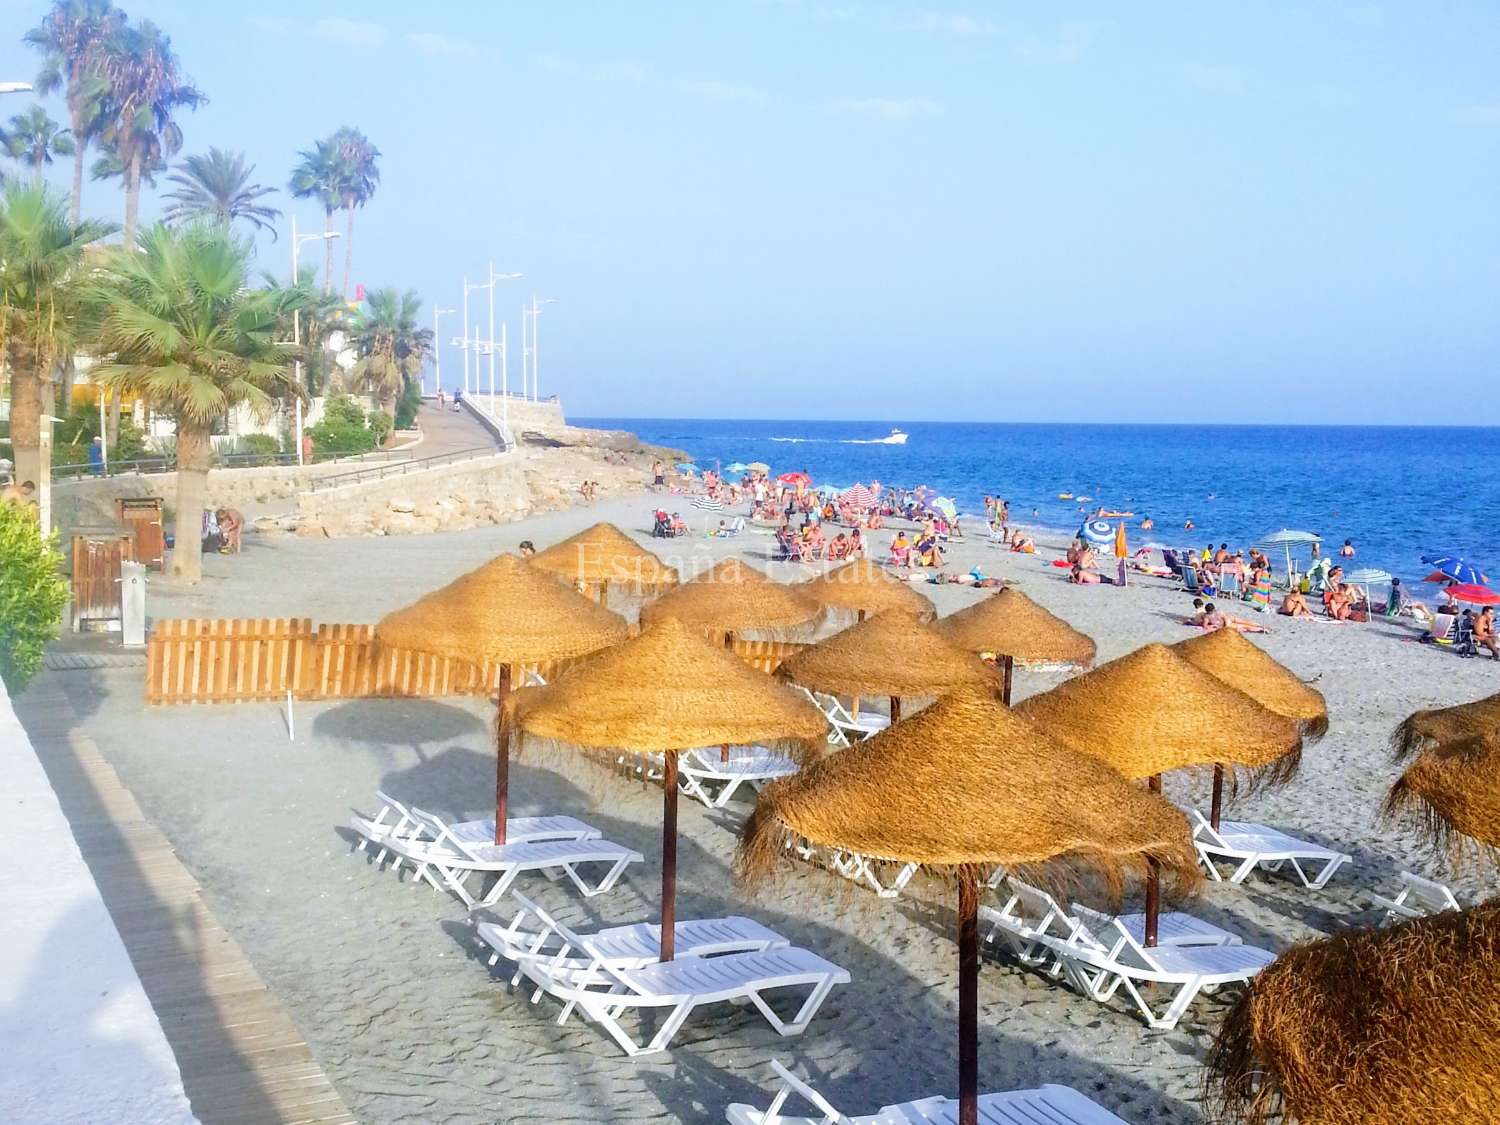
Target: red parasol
1473 594
794 478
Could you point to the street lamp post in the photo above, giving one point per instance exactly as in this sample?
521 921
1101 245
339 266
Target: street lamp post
437 348
297 241
536 311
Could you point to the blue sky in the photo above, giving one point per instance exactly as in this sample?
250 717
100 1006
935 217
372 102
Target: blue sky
797 208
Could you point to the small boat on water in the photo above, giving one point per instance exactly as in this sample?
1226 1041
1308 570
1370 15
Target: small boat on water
1065 496
897 437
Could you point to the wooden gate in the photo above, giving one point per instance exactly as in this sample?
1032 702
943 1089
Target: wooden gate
143 516
229 661
96 576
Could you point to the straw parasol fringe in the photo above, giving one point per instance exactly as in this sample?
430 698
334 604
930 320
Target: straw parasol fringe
1009 623
1447 724
733 597
1452 794
604 554
896 796
1369 1027
1231 657
863 587
1152 711
892 654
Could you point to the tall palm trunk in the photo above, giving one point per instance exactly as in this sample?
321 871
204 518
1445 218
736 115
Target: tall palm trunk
327 252
348 247
132 211
194 456
80 146
26 410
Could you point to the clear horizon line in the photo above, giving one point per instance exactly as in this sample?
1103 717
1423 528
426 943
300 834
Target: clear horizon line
1015 422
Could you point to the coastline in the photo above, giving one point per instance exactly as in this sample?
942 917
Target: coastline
350 950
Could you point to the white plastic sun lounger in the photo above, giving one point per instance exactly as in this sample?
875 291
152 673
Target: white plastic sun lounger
1030 914
1255 845
699 772
677 987
1417 898
1099 970
1046 1105
843 726
534 935
446 864
398 821
868 870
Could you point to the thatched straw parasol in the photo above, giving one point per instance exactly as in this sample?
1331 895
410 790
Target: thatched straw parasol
1454 790
1446 725
864 588
1014 627
1369 1027
732 597
503 613
892 654
603 554
1152 711
963 785
1228 656
664 691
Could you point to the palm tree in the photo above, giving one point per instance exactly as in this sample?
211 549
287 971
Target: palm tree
40 280
390 347
317 177
217 185
35 139
177 323
146 87
320 315
71 38
358 175
107 166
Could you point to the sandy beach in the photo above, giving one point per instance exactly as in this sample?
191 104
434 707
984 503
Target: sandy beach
386 984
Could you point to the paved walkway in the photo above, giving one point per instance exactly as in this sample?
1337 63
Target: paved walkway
443 431
241 1059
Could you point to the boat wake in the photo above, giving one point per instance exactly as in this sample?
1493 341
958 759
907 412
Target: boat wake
895 437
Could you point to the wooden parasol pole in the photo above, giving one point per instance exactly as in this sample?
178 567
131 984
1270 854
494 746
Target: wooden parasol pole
669 857
502 754
604 592
968 998
1218 804
895 709
1153 881
1007 676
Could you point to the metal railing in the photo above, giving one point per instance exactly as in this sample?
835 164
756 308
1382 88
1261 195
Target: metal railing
399 469
220 461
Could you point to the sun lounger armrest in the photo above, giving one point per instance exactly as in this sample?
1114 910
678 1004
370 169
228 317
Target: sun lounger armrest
791 1084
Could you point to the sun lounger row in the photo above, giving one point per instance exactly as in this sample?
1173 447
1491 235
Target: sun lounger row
1249 846
1046 1105
446 856
608 975
844 727
1101 955
705 776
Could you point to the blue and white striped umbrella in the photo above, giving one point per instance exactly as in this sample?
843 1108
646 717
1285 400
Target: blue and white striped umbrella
706 504
1456 567
1101 533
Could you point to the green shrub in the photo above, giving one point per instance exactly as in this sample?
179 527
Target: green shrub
343 410
261 445
73 435
380 426
344 428
407 405
32 594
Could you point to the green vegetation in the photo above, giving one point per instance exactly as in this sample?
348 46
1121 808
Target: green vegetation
390 345
218 187
32 595
408 405
72 436
346 428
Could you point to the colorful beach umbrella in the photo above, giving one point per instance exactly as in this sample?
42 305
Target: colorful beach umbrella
1456 568
945 505
736 467
758 467
1122 547
795 478
1474 595
858 496
1289 538
1101 533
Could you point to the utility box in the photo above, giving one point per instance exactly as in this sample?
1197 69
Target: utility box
133 604
142 515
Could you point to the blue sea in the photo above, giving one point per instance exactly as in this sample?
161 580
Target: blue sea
1397 492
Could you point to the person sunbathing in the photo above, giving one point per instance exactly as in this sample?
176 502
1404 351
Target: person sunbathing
1339 601
1080 577
1196 617
678 527
838 550
1022 543
1484 632
901 550
856 545
1294 605
928 551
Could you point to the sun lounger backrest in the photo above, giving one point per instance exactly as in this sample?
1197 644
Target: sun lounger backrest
1038 911
442 835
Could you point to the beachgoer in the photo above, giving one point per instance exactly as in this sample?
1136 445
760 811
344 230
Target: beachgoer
856 545
1484 632
307 448
1212 618
901 550
1294 605
528 548
231 527
18 494
678 527
1196 617
1187 525
96 457
658 476
1347 550
1147 523
1080 577
1221 556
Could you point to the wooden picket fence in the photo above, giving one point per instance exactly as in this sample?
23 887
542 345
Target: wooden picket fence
249 659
